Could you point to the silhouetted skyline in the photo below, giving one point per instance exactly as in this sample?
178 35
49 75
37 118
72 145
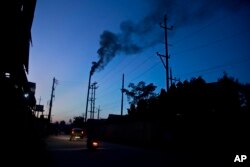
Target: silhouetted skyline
208 38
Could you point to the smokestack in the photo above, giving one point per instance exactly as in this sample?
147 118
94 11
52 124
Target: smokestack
87 102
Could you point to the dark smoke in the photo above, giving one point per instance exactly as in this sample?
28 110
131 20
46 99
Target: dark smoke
188 12
135 37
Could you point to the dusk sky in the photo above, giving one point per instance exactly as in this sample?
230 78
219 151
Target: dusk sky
209 37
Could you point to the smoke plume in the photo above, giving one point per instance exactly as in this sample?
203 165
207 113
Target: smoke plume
135 37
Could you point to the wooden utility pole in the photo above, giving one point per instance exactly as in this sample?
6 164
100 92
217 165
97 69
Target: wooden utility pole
122 94
51 99
98 113
166 65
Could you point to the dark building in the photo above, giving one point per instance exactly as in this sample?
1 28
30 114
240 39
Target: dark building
17 93
16 33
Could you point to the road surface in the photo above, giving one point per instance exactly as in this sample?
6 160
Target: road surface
65 153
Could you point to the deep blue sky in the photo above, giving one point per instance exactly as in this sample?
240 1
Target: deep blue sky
209 37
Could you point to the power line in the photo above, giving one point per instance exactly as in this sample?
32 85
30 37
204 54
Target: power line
113 89
130 71
230 64
142 63
214 42
136 67
104 78
191 35
144 72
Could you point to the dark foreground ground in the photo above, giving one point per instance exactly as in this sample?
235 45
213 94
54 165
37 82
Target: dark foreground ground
58 151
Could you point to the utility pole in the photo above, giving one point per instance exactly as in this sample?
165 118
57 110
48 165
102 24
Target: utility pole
93 87
122 94
166 65
173 79
37 112
98 114
40 100
51 99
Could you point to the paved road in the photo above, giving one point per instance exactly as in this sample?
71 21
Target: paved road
65 153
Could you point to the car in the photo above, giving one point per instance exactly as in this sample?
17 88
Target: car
76 133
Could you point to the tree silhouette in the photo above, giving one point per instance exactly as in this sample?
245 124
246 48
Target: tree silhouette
245 97
138 92
230 92
140 98
132 110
